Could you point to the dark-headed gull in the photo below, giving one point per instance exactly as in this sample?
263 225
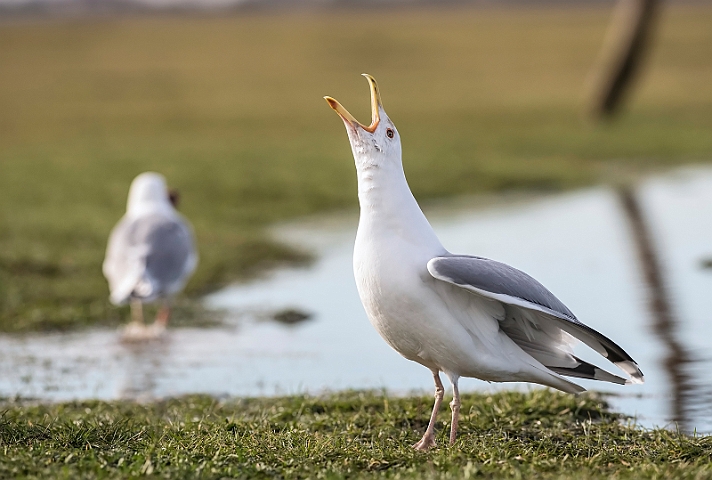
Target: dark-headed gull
151 253
462 315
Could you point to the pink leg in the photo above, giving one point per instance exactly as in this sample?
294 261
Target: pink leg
455 407
428 439
163 315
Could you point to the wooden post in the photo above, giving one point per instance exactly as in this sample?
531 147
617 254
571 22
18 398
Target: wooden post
627 40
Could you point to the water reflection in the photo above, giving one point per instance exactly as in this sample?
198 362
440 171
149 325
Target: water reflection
678 210
664 322
143 366
578 244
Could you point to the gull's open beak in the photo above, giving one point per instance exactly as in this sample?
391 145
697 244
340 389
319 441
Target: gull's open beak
375 105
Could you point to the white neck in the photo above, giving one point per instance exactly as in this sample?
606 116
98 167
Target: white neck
387 204
140 209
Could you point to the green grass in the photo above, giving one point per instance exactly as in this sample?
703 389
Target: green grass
352 434
230 110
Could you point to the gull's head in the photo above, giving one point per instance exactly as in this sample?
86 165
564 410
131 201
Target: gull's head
376 144
148 190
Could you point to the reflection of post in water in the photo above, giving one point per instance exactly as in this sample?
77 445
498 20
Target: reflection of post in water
664 322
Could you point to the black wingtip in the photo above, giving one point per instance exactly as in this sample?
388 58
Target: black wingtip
588 371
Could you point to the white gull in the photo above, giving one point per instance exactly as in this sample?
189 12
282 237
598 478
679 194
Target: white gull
151 254
465 316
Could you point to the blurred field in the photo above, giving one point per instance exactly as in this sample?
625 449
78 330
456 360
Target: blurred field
230 110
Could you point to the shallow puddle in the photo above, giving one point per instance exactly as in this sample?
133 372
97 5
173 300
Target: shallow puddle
577 244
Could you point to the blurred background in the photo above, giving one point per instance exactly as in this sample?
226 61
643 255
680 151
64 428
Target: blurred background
584 126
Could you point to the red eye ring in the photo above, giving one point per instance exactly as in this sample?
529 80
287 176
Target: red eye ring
390 133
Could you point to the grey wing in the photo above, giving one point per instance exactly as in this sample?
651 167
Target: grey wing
171 256
534 318
148 257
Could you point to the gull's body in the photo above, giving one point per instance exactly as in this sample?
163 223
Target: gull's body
431 322
151 252
461 315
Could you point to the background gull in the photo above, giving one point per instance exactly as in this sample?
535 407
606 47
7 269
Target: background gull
151 253
462 315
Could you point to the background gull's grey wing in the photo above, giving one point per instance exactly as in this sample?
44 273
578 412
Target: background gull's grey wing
535 319
149 257
170 255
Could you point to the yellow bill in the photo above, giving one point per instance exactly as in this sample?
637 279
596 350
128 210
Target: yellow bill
375 106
